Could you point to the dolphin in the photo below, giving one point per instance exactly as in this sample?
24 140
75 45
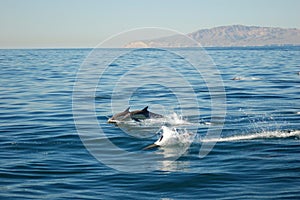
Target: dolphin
170 138
136 115
163 140
122 116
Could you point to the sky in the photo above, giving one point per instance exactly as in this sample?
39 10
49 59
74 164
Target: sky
86 23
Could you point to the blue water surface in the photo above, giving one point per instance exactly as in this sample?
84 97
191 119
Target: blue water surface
257 156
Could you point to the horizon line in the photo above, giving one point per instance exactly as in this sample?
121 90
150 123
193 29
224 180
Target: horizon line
82 48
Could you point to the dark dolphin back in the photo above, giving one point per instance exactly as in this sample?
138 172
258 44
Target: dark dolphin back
138 115
144 114
151 114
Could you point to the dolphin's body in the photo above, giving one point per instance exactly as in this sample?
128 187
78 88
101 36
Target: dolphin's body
136 115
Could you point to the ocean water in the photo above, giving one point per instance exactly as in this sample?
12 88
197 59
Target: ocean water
244 103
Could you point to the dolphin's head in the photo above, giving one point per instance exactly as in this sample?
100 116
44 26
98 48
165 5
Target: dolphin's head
119 116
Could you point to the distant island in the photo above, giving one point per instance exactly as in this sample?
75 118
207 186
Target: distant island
227 36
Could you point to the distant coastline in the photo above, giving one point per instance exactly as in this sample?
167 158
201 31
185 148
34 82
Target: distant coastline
227 36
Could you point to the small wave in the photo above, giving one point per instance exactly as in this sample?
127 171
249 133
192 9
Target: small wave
263 135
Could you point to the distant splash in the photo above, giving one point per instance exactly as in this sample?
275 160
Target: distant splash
251 78
254 136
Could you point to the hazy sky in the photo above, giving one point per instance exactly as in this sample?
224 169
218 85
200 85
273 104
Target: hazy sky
85 23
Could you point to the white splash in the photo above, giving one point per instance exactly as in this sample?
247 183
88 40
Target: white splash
173 137
175 120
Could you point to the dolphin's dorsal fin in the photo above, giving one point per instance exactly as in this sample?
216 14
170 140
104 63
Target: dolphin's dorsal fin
127 109
145 109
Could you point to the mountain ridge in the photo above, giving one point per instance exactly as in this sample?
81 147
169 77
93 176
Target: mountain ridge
227 36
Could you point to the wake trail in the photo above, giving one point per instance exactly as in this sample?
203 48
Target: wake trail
262 135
